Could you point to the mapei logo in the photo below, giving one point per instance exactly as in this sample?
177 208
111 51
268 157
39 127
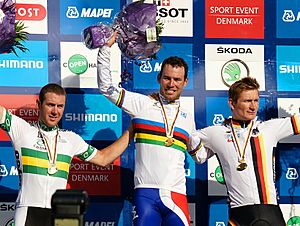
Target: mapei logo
218 119
289 16
221 223
73 12
146 67
292 174
30 12
3 171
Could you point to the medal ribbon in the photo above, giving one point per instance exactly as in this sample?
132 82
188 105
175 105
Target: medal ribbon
169 131
241 153
51 159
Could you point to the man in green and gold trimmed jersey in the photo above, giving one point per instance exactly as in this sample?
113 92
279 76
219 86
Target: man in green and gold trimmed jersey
44 153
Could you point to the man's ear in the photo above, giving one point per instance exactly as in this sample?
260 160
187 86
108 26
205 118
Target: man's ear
38 103
158 77
186 82
231 103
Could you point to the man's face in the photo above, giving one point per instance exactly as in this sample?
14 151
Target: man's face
246 106
172 82
52 109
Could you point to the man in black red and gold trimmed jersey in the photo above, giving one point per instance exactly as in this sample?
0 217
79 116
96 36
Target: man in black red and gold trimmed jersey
45 152
244 147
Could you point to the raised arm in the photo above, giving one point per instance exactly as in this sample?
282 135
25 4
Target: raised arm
2 116
109 154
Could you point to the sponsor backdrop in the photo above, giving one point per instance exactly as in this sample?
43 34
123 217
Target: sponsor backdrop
222 41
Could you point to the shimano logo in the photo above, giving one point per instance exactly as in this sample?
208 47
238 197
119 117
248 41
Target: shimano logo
21 64
234 50
91 117
286 69
73 13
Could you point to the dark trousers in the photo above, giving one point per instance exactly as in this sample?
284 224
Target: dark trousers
38 217
256 215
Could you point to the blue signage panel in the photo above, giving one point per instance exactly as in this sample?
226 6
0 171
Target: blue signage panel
288 68
93 117
9 177
145 75
76 15
27 69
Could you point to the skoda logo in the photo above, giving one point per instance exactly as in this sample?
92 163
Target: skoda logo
10 223
234 70
78 64
294 221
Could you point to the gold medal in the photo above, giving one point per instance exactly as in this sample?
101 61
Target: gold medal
243 165
169 141
169 130
52 169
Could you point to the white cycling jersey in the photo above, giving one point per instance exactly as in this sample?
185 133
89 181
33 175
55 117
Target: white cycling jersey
36 185
156 165
255 184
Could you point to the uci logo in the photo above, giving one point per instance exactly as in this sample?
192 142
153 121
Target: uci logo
292 174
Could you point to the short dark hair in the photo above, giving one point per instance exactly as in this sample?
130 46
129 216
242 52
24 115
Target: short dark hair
246 83
174 61
51 88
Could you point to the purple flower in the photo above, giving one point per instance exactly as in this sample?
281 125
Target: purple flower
11 32
97 35
132 24
137 32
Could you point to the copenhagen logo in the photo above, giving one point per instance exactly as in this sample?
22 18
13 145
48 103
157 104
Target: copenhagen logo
288 16
72 12
218 119
233 70
3 171
78 64
218 175
294 221
291 174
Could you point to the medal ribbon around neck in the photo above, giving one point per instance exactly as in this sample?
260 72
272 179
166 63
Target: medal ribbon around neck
242 161
52 159
169 131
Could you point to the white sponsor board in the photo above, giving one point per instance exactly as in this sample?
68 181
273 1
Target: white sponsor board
215 187
34 15
227 63
79 65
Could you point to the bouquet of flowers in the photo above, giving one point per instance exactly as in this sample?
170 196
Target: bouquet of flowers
11 32
137 31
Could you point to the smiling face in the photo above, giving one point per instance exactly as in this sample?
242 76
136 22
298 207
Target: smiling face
246 106
52 108
172 80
